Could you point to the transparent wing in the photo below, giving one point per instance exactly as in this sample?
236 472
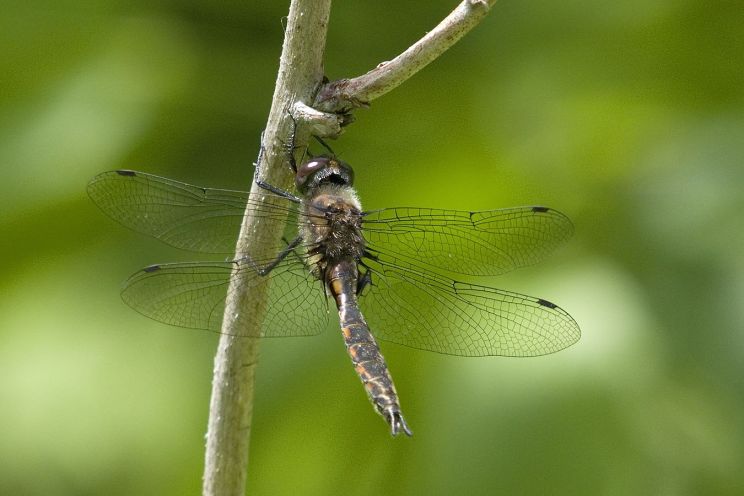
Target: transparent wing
482 243
193 295
424 310
179 214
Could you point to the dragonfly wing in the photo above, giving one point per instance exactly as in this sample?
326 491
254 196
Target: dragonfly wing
193 295
424 310
482 243
179 214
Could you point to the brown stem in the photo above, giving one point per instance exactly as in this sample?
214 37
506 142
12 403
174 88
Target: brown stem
231 406
345 94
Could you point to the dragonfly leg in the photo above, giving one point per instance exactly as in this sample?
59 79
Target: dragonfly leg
277 191
366 278
269 187
291 147
324 145
266 269
364 281
261 152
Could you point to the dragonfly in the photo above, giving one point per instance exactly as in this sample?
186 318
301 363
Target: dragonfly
410 271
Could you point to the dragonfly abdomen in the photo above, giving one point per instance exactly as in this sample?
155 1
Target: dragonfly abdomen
362 347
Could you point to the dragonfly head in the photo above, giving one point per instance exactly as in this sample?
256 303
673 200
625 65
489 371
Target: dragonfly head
323 170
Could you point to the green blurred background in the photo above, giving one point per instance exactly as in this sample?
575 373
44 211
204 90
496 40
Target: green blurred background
627 116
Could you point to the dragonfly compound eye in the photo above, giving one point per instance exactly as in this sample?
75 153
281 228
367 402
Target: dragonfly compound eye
320 170
308 170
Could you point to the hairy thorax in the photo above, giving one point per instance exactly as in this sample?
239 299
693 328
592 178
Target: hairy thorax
331 227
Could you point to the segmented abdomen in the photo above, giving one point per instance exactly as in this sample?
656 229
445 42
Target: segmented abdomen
362 347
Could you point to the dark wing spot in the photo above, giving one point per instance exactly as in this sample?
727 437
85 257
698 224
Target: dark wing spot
151 268
540 209
546 303
123 172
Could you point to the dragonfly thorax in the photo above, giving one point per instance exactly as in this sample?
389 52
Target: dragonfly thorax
332 226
